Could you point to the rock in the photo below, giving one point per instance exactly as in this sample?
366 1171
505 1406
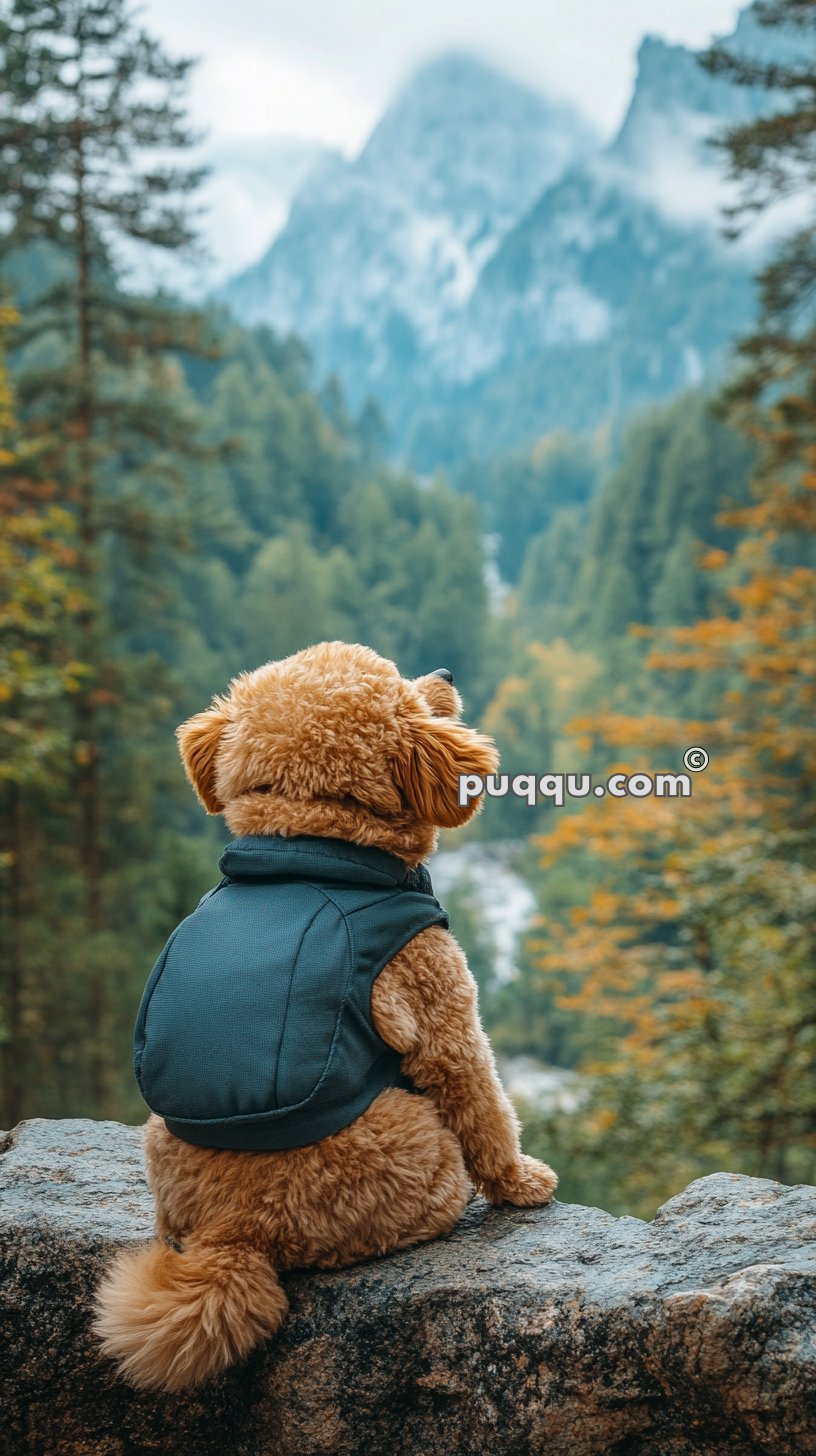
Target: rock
552 1331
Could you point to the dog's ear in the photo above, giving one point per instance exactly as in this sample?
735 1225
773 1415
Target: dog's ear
198 741
437 752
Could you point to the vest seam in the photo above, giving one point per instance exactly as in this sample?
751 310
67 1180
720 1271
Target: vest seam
393 951
270 1115
306 929
349 929
208 894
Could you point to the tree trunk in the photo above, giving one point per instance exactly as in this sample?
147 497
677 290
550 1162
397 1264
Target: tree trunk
88 776
13 1068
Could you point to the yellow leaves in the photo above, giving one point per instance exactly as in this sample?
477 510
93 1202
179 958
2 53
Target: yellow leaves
647 731
709 646
656 863
757 594
602 1119
684 982
713 560
690 955
566 671
784 507
499 718
799 582
604 908
528 709
664 907
38 599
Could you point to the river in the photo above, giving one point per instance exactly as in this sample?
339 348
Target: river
507 905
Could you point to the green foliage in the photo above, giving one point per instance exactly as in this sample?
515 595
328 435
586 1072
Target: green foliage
89 107
678 469
524 490
182 508
694 940
722 1074
631 554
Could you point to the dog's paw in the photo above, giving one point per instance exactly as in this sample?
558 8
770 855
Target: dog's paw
526 1184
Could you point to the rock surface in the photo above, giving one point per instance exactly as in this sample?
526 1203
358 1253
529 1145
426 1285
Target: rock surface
527 1331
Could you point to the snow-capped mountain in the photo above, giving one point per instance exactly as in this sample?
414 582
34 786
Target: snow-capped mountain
617 286
380 252
488 272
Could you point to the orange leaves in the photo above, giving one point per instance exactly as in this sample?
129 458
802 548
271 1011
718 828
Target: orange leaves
758 594
713 560
682 944
648 731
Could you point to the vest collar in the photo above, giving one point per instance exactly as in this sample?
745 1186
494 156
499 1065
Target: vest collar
307 857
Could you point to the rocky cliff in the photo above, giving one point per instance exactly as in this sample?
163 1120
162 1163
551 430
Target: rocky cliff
528 1331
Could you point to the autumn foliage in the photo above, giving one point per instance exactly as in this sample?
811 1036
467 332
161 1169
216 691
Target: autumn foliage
693 951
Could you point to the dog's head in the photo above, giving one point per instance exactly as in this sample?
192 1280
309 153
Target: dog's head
332 741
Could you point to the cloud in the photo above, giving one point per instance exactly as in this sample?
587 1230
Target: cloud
673 168
327 68
675 171
247 92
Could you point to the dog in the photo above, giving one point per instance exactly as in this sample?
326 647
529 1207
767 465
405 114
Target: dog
327 759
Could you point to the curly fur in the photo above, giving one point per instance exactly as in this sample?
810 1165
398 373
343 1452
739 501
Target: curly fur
331 741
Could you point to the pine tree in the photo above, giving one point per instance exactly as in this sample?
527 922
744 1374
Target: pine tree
676 597
37 680
88 105
769 159
697 942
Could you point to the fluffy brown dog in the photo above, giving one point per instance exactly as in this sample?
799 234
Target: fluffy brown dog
329 742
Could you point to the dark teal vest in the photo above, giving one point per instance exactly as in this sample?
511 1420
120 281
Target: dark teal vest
255 1026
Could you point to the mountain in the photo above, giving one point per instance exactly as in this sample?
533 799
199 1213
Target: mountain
488 273
250 188
381 252
596 303
617 286
244 201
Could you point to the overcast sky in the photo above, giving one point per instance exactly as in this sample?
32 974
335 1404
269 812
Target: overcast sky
325 69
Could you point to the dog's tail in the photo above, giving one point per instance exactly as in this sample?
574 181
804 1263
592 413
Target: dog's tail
172 1320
